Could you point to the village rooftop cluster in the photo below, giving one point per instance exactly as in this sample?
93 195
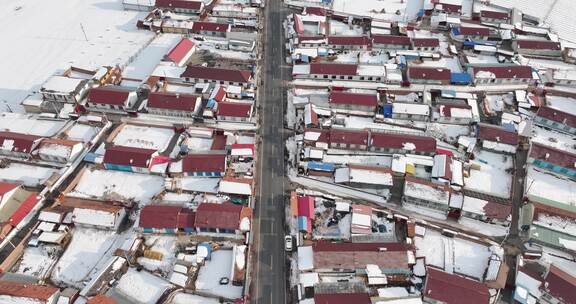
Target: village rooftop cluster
434 153
132 182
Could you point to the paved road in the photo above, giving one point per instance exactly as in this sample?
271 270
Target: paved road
270 269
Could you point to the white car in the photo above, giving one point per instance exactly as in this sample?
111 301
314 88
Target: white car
288 243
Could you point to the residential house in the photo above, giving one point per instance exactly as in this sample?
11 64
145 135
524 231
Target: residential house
59 150
16 210
110 98
234 11
452 8
557 161
211 29
410 111
499 75
498 139
173 104
342 298
391 42
16 292
353 101
336 71
429 75
168 219
464 33
559 286
348 139
181 6
451 113
425 193
317 137
537 47
360 176
565 77
64 89
349 42
442 287
397 143
129 159
555 119
92 213
181 52
425 44
392 258
222 219
174 26
361 220
199 74
205 165
11 198
486 211
18 145
234 111
494 17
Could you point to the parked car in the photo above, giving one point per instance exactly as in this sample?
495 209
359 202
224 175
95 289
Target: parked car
288 245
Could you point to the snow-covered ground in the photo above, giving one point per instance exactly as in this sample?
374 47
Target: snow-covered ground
28 175
210 274
492 177
142 287
38 261
41 37
117 184
144 137
162 244
86 249
186 298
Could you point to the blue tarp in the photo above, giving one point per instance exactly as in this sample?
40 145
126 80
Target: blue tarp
455 31
321 166
211 103
460 78
470 43
302 223
421 12
387 110
208 247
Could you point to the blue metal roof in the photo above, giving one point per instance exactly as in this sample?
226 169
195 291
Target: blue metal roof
455 31
460 78
321 166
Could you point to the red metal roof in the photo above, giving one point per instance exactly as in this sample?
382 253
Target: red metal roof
108 95
7 187
452 289
446 109
243 146
425 42
179 52
342 298
172 101
505 72
494 15
27 205
166 216
225 216
298 24
210 26
324 134
348 247
204 163
17 142
474 31
538 45
497 211
391 39
349 40
218 93
218 74
234 109
333 69
101 299
561 284
314 10
306 206
128 156
450 8
497 134
342 136
557 115
428 73
398 141
309 38
554 156
337 97
186 4
31 291
218 142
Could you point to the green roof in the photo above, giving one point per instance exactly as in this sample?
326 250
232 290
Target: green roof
549 236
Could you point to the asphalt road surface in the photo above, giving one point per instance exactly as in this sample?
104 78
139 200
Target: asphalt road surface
270 274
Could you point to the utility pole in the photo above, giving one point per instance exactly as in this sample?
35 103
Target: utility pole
83 31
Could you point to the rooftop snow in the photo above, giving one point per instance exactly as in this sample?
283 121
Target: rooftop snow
144 137
27 174
219 266
492 177
41 50
29 124
150 56
142 287
117 184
